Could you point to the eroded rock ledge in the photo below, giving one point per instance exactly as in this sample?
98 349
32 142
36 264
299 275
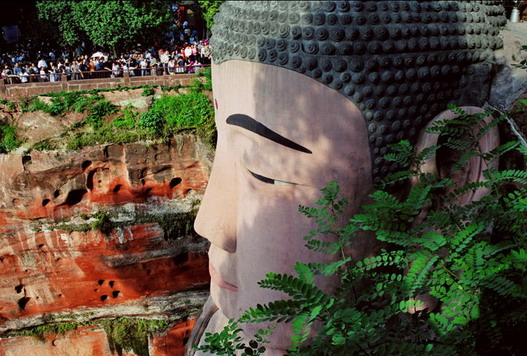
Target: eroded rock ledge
101 233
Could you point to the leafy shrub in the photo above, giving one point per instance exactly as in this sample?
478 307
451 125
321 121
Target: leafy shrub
207 74
471 258
148 91
98 112
152 121
8 141
37 105
127 119
184 111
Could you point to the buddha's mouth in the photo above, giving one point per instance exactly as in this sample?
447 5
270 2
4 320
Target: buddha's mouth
216 279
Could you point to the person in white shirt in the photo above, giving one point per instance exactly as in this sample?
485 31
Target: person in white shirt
24 77
42 63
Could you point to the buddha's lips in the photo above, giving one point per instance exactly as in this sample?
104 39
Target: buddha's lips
216 278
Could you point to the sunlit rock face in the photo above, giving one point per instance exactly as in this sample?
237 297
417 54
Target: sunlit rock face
102 232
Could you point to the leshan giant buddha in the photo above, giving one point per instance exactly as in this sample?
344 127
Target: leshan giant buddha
309 92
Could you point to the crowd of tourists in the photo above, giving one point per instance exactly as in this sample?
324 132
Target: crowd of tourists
186 59
180 52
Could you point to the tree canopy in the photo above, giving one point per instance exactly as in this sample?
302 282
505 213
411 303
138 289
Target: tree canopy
106 24
209 8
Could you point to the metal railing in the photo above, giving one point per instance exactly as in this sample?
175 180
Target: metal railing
103 74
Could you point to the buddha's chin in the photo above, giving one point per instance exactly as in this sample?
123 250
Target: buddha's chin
226 300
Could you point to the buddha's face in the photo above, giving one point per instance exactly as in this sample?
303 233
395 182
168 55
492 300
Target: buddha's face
282 136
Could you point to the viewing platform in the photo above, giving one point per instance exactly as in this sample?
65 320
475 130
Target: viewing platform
21 90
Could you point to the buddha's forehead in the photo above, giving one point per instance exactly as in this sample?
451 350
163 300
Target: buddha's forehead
400 62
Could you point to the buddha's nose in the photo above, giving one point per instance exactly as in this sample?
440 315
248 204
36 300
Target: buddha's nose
217 216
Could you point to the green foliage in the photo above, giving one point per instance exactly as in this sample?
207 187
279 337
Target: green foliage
148 92
199 85
174 225
106 24
98 112
41 331
8 140
209 8
101 222
169 115
183 111
152 121
128 334
469 260
63 102
228 342
131 334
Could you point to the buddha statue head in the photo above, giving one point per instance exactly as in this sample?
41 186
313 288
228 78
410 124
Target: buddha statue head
307 92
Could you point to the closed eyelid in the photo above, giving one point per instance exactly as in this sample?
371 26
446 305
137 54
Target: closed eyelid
270 180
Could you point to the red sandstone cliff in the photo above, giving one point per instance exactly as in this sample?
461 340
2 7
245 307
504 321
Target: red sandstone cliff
95 234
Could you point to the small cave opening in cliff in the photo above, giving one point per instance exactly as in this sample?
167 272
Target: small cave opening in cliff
86 164
146 192
22 302
103 297
115 293
75 196
112 283
26 160
56 193
19 288
45 202
175 181
100 282
117 188
89 180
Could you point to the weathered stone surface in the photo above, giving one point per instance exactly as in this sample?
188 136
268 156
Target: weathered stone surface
93 341
38 126
55 262
510 82
86 341
129 97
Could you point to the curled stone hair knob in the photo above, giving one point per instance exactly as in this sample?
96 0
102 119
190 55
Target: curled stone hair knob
336 34
326 65
399 61
321 34
332 19
385 18
327 49
349 89
294 47
352 33
296 32
340 65
281 45
319 19
308 33
311 63
306 19
311 47
283 58
356 65
262 55
296 61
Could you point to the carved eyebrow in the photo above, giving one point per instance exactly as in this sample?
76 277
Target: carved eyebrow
252 125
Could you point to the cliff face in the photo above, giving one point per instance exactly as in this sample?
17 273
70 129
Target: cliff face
100 233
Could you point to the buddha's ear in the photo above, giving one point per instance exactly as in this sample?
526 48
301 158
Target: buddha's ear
442 161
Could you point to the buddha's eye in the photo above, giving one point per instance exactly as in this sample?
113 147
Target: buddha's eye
270 180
